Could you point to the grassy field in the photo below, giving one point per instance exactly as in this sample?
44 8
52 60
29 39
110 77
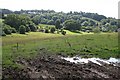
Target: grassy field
103 45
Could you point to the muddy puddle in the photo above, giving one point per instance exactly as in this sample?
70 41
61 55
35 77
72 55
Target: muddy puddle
98 61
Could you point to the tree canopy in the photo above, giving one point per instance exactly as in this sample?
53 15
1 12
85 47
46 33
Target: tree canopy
71 21
71 25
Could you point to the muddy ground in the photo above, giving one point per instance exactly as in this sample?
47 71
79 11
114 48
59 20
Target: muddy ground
52 67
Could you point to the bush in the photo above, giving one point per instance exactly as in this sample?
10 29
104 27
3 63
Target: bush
3 33
22 29
87 31
50 22
58 31
28 29
61 29
32 27
96 30
52 30
13 30
57 24
46 30
71 25
7 29
63 32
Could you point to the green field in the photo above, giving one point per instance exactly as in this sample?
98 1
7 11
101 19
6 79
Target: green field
103 45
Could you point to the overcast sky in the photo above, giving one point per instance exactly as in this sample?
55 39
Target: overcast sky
108 8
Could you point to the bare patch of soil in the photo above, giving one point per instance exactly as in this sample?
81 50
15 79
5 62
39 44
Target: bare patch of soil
52 67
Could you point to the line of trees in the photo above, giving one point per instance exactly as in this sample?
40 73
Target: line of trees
17 23
27 20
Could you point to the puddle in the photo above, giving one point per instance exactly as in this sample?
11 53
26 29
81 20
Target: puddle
94 60
114 60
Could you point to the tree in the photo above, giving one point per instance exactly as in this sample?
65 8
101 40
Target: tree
118 24
52 30
2 16
50 22
92 23
13 30
85 23
54 18
71 25
96 30
7 29
44 21
36 19
22 29
113 22
15 20
28 29
57 24
3 33
103 21
32 26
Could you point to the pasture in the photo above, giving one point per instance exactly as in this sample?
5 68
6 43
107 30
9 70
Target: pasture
103 45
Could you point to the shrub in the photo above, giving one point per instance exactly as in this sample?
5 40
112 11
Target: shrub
57 24
32 27
87 31
46 30
63 32
50 22
96 30
13 30
3 33
22 29
7 29
61 29
58 31
52 30
28 29
71 25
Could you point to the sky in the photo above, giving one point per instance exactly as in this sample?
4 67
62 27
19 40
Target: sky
108 8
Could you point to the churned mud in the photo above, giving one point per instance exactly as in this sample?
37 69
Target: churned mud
53 67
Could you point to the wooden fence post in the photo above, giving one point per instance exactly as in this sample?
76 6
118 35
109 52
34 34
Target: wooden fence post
17 45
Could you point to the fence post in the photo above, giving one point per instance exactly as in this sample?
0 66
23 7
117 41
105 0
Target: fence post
17 45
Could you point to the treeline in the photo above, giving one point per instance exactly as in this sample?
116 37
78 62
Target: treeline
83 14
80 21
21 23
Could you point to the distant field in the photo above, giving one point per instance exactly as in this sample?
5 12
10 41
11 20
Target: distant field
102 45
14 38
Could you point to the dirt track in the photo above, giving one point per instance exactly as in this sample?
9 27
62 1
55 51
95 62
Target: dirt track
52 67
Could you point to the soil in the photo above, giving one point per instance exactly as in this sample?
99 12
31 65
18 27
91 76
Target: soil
52 67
